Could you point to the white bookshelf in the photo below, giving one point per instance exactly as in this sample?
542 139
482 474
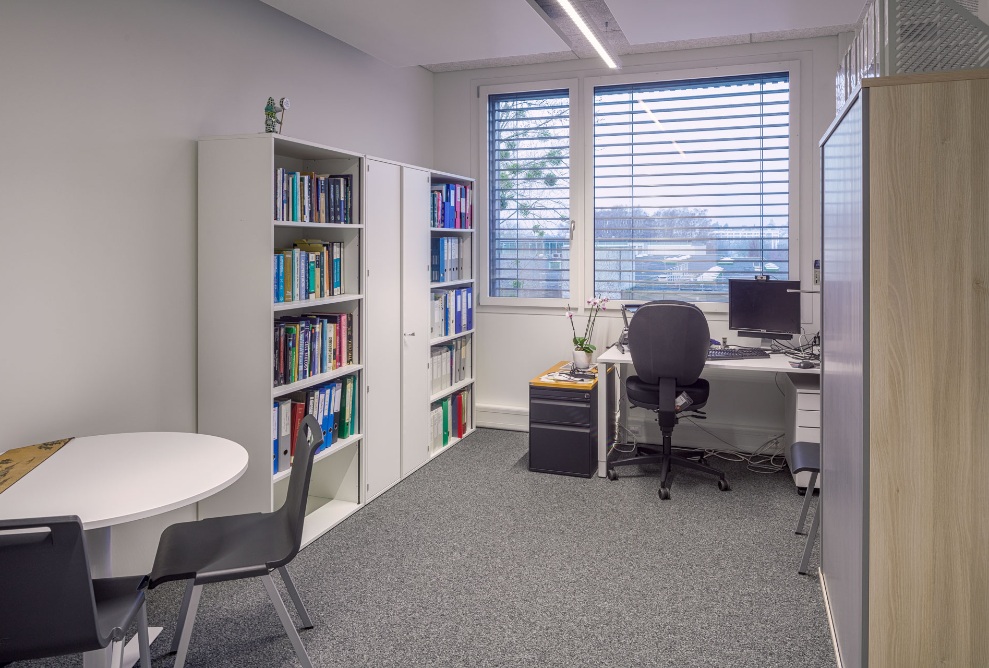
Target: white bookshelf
465 236
238 234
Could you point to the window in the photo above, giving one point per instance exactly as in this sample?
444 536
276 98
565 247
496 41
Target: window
691 186
529 229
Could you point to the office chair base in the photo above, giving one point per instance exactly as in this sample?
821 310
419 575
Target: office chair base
666 462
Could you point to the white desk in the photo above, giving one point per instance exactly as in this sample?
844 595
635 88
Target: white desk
612 356
117 478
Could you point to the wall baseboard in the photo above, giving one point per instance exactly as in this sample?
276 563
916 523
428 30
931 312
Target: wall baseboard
501 417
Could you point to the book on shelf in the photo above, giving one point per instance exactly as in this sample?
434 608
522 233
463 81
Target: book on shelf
311 269
450 363
310 344
452 311
447 259
307 197
451 206
449 418
333 404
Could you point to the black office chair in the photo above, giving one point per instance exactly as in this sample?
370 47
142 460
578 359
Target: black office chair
668 341
242 546
49 603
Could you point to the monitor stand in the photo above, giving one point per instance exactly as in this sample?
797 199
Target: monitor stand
765 341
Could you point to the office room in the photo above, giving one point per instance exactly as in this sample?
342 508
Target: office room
561 324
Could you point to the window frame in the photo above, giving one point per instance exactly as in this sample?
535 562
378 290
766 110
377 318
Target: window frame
581 89
483 192
792 68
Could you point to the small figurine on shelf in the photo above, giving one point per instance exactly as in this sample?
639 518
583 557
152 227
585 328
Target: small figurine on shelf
271 121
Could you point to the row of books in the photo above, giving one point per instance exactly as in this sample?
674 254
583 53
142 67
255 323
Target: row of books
311 269
334 405
452 206
312 343
450 418
450 364
452 312
307 197
448 259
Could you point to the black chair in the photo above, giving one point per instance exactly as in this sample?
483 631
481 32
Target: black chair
242 546
668 341
49 603
806 456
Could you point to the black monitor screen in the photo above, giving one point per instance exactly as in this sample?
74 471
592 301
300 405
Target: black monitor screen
764 308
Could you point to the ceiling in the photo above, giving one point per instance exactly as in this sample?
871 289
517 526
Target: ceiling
444 35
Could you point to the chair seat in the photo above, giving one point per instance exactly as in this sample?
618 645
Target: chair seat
221 548
805 456
117 601
646 395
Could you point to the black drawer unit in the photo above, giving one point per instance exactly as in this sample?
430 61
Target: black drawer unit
563 427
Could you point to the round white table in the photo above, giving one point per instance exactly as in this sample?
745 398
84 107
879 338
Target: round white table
117 478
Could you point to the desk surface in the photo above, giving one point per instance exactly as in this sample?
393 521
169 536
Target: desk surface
773 363
117 478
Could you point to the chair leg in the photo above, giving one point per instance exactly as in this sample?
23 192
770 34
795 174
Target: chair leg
697 466
186 596
143 643
185 623
811 538
293 635
117 655
294 595
807 496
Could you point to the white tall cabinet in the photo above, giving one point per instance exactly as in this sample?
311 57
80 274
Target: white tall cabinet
415 318
237 237
398 316
383 216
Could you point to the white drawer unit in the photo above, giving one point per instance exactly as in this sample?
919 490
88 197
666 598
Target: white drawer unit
803 416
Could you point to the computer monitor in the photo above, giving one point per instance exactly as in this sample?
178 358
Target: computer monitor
764 309
628 310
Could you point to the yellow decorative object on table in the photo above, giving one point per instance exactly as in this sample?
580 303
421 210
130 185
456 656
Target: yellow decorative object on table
17 463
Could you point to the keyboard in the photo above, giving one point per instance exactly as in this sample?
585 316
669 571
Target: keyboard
718 353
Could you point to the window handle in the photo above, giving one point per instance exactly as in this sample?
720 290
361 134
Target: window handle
573 226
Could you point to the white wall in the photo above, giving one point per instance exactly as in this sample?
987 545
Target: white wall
515 345
103 102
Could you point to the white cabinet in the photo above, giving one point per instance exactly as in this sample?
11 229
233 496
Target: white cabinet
406 394
415 318
383 221
803 417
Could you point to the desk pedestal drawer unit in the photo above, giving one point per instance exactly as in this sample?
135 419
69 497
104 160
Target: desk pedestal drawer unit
563 426
803 418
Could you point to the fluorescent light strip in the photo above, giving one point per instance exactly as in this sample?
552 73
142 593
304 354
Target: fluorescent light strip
656 121
579 20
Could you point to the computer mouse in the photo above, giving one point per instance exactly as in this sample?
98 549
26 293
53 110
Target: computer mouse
804 364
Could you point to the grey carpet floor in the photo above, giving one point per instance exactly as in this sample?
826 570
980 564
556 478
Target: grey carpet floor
476 561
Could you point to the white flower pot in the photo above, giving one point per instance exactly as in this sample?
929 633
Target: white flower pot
581 360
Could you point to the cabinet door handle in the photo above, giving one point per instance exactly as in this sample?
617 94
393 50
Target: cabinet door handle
410 333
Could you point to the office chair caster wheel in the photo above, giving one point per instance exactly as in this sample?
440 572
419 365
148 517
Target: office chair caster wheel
723 485
664 493
612 474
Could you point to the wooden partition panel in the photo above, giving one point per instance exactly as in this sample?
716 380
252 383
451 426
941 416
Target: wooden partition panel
844 466
929 400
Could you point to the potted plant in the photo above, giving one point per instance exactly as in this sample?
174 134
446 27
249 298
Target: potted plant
582 347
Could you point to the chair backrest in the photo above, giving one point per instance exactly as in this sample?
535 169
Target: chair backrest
669 339
292 514
47 607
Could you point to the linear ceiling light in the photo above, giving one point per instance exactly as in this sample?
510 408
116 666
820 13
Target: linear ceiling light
591 37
